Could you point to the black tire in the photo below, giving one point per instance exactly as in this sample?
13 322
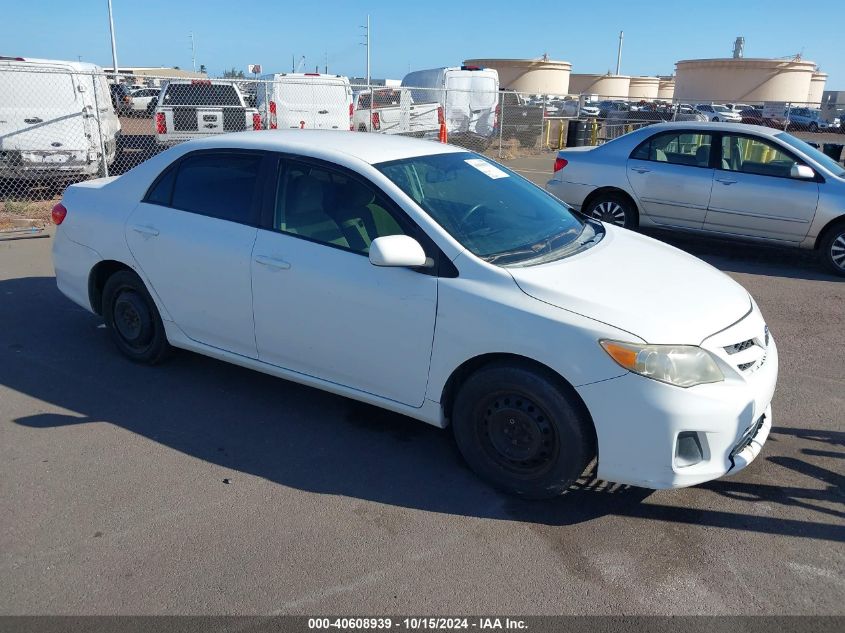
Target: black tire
715 119
519 431
133 319
612 208
832 249
814 128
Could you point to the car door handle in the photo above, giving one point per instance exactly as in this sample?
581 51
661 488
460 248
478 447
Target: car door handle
272 262
33 120
322 111
640 170
726 181
149 231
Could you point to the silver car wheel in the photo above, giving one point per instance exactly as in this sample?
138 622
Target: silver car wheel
610 211
837 251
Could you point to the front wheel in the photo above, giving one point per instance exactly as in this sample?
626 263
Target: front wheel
833 250
133 319
613 209
521 432
814 127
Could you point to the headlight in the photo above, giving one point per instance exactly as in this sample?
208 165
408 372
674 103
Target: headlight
680 365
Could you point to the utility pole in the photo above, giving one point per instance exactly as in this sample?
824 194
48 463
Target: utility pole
193 53
113 45
619 54
366 43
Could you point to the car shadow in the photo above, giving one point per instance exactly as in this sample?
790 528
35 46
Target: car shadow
250 423
747 257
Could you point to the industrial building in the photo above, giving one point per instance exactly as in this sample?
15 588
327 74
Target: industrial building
602 86
646 88
154 74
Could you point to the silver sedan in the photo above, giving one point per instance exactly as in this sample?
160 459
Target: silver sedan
730 180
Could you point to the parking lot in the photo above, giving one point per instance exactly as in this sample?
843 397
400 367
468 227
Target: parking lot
200 487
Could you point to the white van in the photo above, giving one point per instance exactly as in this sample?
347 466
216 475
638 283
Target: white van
51 116
469 96
304 100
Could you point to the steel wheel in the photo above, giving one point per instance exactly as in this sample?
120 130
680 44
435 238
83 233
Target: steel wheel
516 434
609 211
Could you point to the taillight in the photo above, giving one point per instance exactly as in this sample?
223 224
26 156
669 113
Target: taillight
440 118
376 121
161 124
273 120
351 111
496 117
58 213
256 121
560 163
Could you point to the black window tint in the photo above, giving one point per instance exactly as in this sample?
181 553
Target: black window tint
218 185
330 207
160 192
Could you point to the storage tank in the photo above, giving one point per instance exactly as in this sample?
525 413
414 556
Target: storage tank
534 76
604 86
817 82
738 80
666 88
645 88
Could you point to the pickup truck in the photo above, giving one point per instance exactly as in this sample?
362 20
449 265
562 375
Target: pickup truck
196 108
519 118
393 111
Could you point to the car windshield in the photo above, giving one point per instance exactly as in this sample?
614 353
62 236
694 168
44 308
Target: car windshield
719 108
493 212
201 94
821 158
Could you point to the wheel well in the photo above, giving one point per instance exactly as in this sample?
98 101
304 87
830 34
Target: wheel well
616 192
97 281
827 229
466 369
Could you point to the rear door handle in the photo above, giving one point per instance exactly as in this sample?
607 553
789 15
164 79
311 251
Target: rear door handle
33 120
149 231
726 181
322 111
641 170
272 262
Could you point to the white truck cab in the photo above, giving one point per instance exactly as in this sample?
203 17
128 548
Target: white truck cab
56 119
304 101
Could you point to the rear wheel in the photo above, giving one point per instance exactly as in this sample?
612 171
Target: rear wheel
133 319
833 249
519 431
814 127
613 209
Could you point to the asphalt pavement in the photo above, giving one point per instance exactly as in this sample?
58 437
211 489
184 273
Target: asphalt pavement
197 487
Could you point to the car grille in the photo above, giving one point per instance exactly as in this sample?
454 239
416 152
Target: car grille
739 347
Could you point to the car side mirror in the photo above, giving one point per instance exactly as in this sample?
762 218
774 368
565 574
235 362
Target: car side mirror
397 251
802 172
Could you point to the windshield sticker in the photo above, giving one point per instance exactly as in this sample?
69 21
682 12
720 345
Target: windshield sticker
486 168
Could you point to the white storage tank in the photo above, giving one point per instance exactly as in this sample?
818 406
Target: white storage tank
817 82
643 88
534 76
743 80
603 86
666 88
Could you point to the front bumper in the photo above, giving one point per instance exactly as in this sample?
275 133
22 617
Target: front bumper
639 422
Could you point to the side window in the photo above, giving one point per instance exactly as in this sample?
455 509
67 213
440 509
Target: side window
685 148
754 156
220 185
162 189
330 207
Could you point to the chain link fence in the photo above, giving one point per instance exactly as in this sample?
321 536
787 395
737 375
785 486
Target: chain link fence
58 126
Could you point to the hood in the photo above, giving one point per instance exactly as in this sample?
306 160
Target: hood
640 285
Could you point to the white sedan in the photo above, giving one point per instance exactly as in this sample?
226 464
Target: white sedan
718 113
430 281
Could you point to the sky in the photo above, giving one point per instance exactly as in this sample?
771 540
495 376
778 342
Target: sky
415 34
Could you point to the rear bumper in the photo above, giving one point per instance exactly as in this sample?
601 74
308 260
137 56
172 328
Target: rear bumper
73 263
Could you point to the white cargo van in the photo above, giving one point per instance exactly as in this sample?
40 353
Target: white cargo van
304 100
469 96
52 116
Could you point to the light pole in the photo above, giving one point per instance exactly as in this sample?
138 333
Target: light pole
366 43
619 53
113 45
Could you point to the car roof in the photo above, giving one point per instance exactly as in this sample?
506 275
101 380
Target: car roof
715 127
34 61
370 148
